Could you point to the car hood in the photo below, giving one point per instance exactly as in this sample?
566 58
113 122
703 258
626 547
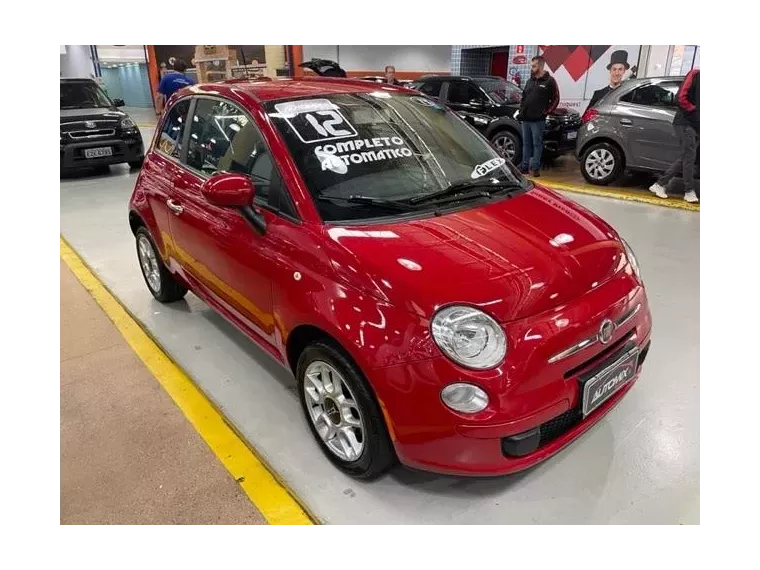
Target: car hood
513 258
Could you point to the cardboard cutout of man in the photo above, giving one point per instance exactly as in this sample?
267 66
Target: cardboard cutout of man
617 67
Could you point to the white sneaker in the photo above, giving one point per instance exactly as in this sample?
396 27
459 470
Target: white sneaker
691 196
659 190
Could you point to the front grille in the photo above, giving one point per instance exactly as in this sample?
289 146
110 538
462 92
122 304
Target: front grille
555 427
92 134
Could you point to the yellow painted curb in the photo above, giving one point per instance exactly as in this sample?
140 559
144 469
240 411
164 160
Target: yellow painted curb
630 196
275 502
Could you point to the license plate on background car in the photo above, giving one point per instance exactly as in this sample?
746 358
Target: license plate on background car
572 135
98 152
601 386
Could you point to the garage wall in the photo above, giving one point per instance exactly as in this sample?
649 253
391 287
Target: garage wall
375 58
77 62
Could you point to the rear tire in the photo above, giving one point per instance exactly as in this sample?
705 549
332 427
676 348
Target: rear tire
602 163
342 413
160 281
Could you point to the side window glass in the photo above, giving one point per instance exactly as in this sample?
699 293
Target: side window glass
170 141
224 139
432 88
660 95
463 92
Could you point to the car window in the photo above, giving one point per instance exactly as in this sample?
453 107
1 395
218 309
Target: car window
224 139
500 90
463 92
432 88
653 95
382 146
170 140
82 95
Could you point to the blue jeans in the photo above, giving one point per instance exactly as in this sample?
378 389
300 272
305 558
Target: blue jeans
533 144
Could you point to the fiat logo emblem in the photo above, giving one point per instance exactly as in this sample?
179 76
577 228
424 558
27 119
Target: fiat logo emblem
89 124
605 331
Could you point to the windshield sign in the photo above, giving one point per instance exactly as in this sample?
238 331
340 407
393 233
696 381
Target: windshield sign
367 155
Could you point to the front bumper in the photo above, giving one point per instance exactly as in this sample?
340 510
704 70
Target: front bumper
527 393
127 149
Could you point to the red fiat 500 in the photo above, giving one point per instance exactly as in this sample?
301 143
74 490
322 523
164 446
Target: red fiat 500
435 307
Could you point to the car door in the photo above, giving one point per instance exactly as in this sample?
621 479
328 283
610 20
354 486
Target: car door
162 167
217 247
644 117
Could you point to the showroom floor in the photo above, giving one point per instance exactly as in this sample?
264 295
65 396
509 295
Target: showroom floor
128 456
638 465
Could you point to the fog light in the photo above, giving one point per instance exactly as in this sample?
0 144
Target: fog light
465 398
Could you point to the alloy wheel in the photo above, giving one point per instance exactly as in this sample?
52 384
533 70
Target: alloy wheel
149 263
333 411
506 147
600 163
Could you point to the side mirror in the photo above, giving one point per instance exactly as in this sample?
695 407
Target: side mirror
119 102
233 190
229 190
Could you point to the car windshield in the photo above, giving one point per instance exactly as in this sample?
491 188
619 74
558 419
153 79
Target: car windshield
360 153
499 90
82 95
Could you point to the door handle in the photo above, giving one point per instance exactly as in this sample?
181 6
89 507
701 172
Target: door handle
174 207
626 122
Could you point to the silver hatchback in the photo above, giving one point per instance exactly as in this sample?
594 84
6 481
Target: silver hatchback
630 128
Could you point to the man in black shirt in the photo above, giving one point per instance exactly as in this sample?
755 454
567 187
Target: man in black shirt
540 98
617 67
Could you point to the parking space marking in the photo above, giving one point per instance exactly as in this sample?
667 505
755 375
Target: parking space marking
631 196
276 503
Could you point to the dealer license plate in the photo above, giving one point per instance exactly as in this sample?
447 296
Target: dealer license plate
602 385
98 152
571 135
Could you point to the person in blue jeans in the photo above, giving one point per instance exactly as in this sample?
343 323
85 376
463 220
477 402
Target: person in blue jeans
540 98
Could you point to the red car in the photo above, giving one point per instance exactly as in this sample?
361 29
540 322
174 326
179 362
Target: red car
435 307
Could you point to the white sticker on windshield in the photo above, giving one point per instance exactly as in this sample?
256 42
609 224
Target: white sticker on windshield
339 156
315 120
486 167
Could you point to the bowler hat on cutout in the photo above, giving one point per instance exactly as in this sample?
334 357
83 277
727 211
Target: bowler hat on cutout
619 56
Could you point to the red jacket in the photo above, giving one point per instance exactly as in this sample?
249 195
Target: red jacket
687 100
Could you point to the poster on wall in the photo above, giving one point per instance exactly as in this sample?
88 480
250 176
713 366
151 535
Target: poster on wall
582 72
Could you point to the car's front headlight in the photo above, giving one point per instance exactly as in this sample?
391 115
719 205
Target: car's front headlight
631 258
469 337
128 123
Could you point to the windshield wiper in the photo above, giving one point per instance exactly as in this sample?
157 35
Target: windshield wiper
395 205
461 187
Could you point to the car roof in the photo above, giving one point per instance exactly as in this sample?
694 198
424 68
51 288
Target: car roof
287 88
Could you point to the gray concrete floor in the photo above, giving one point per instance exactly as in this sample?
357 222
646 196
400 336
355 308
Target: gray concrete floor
639 465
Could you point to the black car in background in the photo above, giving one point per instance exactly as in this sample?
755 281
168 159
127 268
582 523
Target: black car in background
94 132
490 103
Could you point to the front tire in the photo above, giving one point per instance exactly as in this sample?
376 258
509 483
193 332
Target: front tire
508 145
160 282
136 164
342 413
602 163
